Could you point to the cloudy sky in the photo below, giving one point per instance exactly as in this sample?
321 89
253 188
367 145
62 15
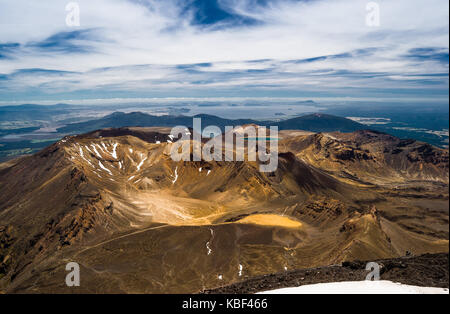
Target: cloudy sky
224 48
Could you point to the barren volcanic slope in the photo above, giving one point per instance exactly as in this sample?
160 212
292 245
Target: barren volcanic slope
138 222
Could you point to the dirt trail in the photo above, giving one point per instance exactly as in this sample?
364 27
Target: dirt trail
120 237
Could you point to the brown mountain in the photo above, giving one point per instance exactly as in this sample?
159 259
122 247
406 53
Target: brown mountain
372 157
138 222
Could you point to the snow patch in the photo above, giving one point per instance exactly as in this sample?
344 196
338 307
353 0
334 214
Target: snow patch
88 149
359 287
176 176
208 244
141 163
104 168
95 150
101 149
84 158
114 153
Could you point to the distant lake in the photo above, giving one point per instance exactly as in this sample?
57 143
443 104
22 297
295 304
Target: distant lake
268 112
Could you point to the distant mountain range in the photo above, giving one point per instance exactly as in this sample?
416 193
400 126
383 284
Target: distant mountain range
313 122
28 112
426 125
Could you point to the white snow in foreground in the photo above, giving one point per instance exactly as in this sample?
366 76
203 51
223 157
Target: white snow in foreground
241 268
359 287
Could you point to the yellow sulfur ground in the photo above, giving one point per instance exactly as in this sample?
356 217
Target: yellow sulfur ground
271 220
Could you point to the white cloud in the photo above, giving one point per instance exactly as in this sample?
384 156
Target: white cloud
154 33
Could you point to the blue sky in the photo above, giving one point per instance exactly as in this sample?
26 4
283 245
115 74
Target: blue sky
223 48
